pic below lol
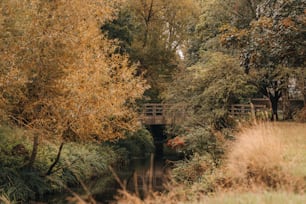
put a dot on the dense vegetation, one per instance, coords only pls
(79, 163)
(62, 84)
(265, 164)
(74, 74)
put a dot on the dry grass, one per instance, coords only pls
(266, 164)
(256, 156)
(261, 157)
(4, 200)
(255, 198)
(176, 194)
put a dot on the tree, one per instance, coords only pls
(154, 31)
(207, 89)
(207, 100)
(215, 15)
(121, 29)
(273, 48)
(75, 87)
(276, 48)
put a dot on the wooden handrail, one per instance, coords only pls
(245, 109)
(158, 113)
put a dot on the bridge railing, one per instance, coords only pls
(155, 109)
(161, 114)
(246, 109)
(155, 114)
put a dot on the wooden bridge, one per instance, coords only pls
(157, 114)
(160, 114)
(246, 109)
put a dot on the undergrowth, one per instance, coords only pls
(78, 161)
(137, 144)
(264, 164)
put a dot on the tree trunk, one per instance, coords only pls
(49, 172)
(274, 116)
(34, 151)
(147, 20)
(274, 103)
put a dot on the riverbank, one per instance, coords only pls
(264, 164)
(82, 170)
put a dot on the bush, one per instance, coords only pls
(9, 139)
(80, 161)
(77, 162)
(190, 171)
(262, 198)
(137, 144)
(22, 184)
(204, 141)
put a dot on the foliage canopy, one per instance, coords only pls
(59, 72)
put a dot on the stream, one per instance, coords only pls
(140, 176)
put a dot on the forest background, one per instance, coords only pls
(73, 75)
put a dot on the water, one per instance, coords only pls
(140, 176)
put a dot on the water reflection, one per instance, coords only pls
(141, 176)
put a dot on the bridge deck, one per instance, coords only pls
(160, 114)
(155, 114)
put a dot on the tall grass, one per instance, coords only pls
(265, 164)
(4, 199)
(259, 159)
(257, 156)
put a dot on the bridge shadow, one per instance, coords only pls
(159, 137)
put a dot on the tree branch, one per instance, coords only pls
(49, 172)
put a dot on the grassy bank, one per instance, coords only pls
(80, 164)
(264, 164)
(78, 161)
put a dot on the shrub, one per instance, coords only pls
(137, 144)
(190, 171)
(9, 140)
(204, 141)
(22, 184)
(81, 161)
(77, 161)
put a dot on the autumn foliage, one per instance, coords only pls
(59, 72)
(176, 142)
